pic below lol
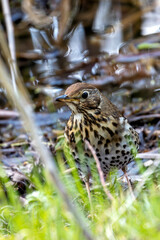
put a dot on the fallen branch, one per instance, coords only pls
(143, 117)
(8, 114)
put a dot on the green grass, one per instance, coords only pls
(45, 216)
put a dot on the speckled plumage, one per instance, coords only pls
(97, 120)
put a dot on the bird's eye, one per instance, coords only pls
(84, 95)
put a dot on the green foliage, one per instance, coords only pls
(143, 46)
(43, 214)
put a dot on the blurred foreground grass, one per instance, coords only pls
(43, 214)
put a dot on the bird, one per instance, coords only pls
(96, 119)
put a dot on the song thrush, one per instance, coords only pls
(96, 119)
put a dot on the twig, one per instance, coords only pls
(134, 119)
(109, 195)
(8, 114)
(11, 40)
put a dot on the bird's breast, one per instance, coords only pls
(113, 139)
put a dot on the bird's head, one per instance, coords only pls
(81, 96)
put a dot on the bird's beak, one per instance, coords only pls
(64, 98)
